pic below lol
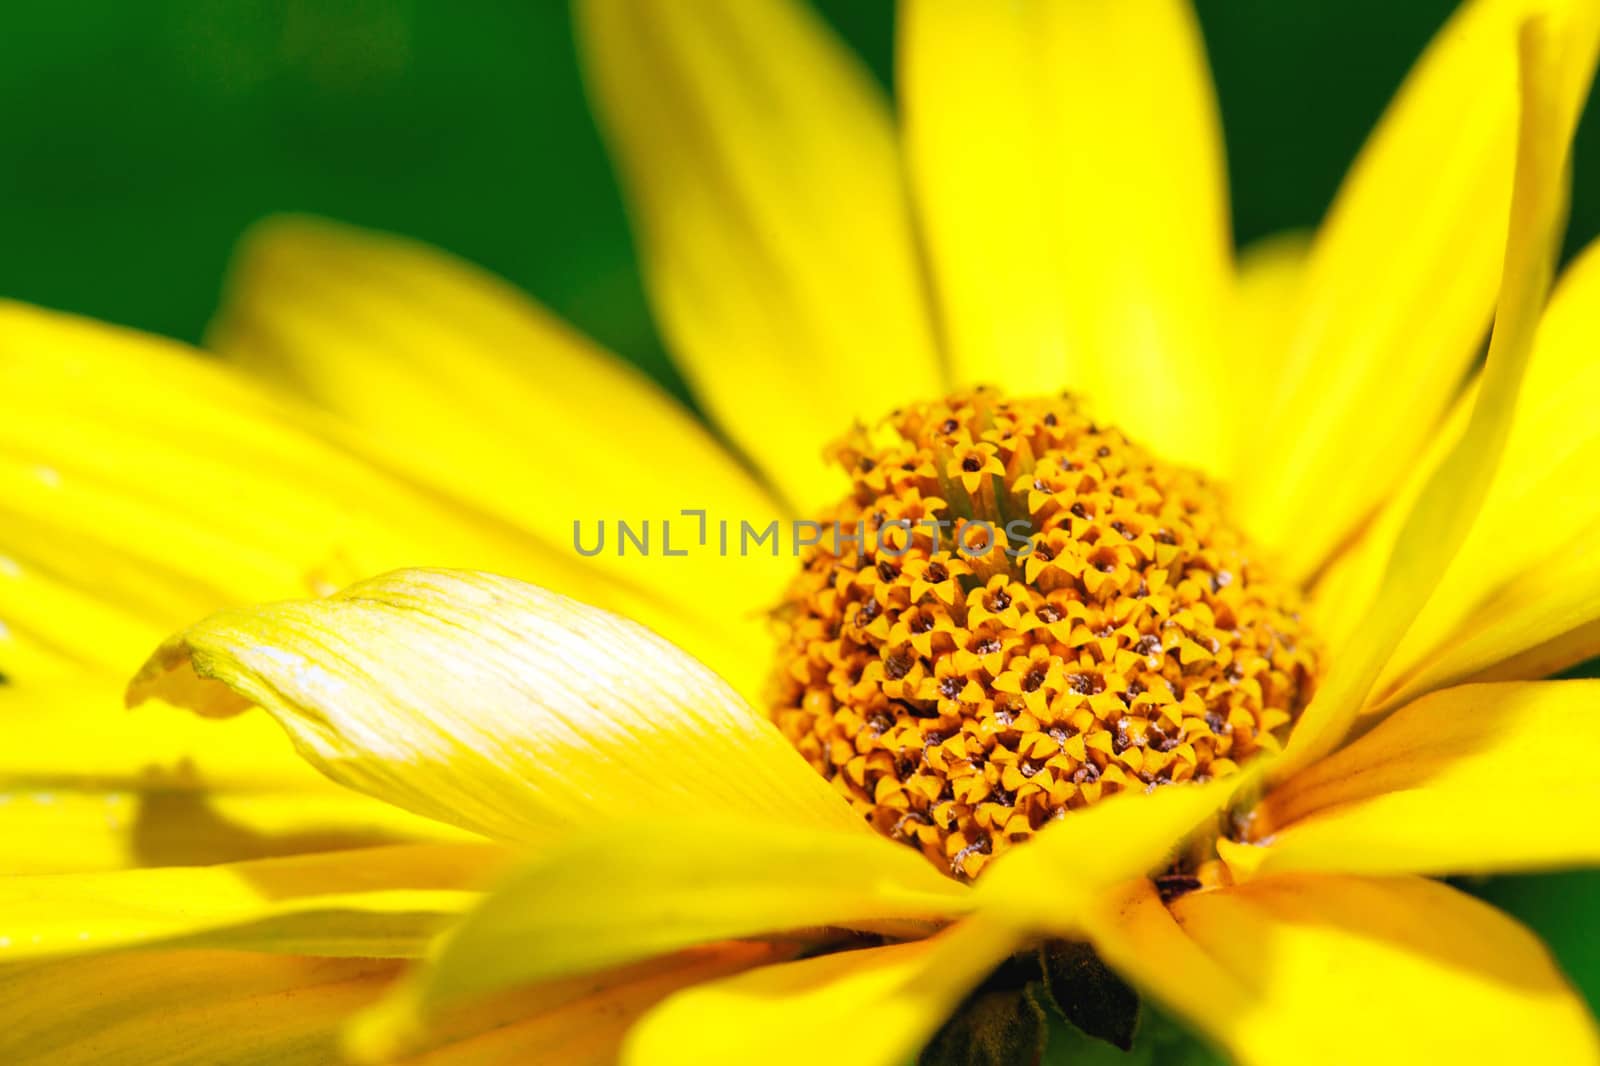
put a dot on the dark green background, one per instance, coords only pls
(139, 137)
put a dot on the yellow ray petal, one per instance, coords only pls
(1068, 168)
(52, 627)
(631, 891)
(871, 1007)
(579, 1022)
(1398, 290)
(204, 1007)
(68, 733)
(191, 1008)
(85, 785)
(381, 902)
(1459, 782)
(765, 185)
(1068, 866)
(142, 486)
(1344, 593)
(1132, 930)
(475, 390)
(494, 705)
(1526, 575)
(1313, 969)
(84, 829)
(1557, 56)
(1266, 290)
(1523, 583)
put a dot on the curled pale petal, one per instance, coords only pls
(183, 1008)
(493, 705)
(1068, 168)
(380, 902)
(869, 1007)
(1462, 781)
(764, 181)
(472, 388)
(635, 890)
(1557, 58)
(1397, 293)
(1315, 969)
(85, 786)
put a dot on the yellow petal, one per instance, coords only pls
(62, 733)
(191, 1008)
(1315, 969)
(386, 902)
(1526, 575)
(1132, 930)
(204, 1007)
(871, 1007)
(142, 486)
(85, 785)
(1398, 289)
(494, 705)
(1519, 598)
(1557, 65)
(578, 1022)
(50, 626)
(84, 829)
(1067, 867)
(1462, 781)
(762, 171)
(631, 891)
(1344, 594)
(1270, 275)
(475, 390)
(1068, 170)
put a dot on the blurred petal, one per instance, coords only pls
(204, 1007)
(577, 1022)
(1399, 288)
(1461, 781)
(686, 882)
(1132, 930)
(87, 786)
(381, 902)
(871, 1007)
(1068, 866)
(1266, 291)
(1311, 969)
(142, 486)
(84, 829)
(62, 733)
(475, 390)
(494, 705)
(1068, 167)
(190, 1008)
(1557, 66)
(762, 170)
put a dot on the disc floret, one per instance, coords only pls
(1016, 612)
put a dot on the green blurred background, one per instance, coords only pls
(139, 138)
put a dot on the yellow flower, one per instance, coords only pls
(671, 880)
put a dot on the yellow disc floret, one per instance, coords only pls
(1016, 612)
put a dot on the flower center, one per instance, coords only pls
(1016, 612)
